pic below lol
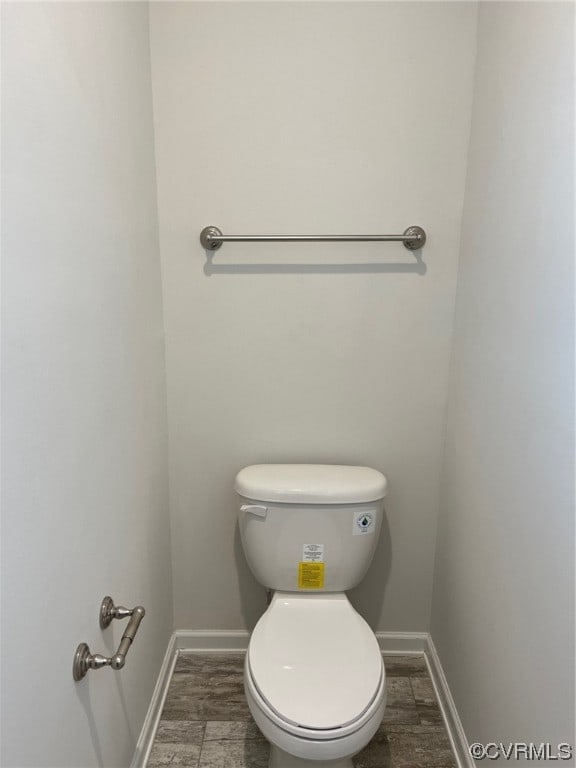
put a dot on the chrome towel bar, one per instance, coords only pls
(84, 660)
(212, 238)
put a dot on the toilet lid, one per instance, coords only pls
(315, 661)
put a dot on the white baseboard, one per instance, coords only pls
(148, 732)
(402, 643)
(449, 712)
(193, 641)
(230, 641)
(212, 641)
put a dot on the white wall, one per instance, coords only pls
(319, 118)
(503, 610)
(84, 433)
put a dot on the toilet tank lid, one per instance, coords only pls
(310, 483)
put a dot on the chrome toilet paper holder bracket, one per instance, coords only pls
(84, 660)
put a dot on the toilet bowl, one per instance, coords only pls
(314, 680)
(314, 677)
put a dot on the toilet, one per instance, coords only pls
(314, 677)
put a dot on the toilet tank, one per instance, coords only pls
(309, 527)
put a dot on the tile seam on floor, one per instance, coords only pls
(202, 743)
(414, 699)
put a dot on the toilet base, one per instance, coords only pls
(281, 759)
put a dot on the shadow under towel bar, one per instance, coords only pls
(212, 238)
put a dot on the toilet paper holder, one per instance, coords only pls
(84, 660)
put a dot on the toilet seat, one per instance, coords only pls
(314, 666)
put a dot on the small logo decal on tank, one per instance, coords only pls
(363, 523)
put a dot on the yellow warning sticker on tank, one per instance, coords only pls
(311, 575)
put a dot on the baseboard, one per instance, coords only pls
(195, 640)
(232, 641)
(449, 712)
(148, 732)
(402, 643)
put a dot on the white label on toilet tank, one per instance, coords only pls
(363, 522)
(313, 553)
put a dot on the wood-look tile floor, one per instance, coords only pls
(206, 722)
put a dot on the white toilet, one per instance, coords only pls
(314, 677)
